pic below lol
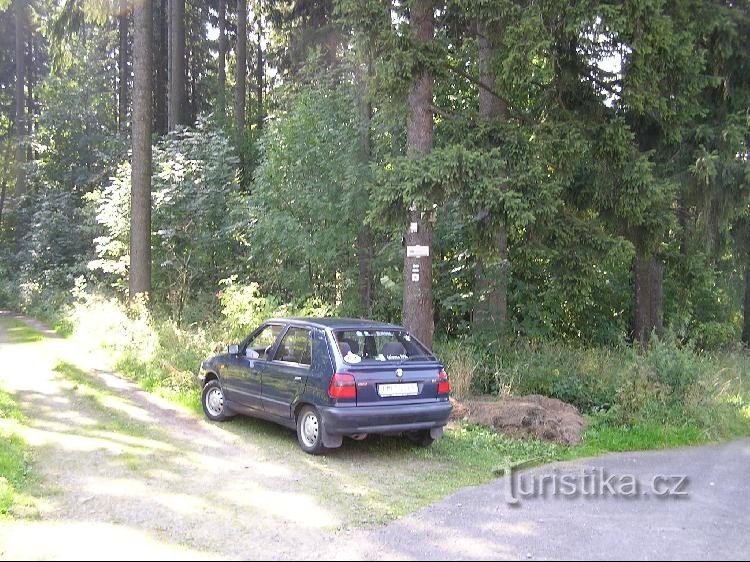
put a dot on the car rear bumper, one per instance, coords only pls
(385, 419)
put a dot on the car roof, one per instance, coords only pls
(337, 323)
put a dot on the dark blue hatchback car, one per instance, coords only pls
(328, 378)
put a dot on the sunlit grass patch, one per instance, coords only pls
(640, 437)
(9, 407)
(19, 332)
(15, 463)
(108, 407)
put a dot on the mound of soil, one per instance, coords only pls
(537, 416)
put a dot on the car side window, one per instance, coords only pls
(296, 347)
(262, 342)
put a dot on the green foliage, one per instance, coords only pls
(194, 186)
(300, 225)
(52, 249)
(75, 139)
(668, 384)
(244, 308)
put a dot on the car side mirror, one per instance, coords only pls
(233, 349)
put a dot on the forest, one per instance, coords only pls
(547, 184)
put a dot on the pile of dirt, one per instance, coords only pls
(537, 416)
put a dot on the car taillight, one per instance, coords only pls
(343, 387)
(444, 386)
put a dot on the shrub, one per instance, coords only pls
(711, 336)
(674, 367)
(461, 366)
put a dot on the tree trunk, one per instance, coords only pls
(746, 323)
(20, 56)
(364, 237)
(178, 76)
(491, 310)
(491, 287)
(161, 64)
(29, 91)
(490, 106)
(364, 262)
(418, 315)
(194, 101)
(8, 153)
(241, 69)
(259, 71)
(221, 96)
(3, 190)
(122, 66)
(140, 216)
(648, 274)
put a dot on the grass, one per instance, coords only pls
(18, 332)
(641, 437)
(16, 478)
(101, 399)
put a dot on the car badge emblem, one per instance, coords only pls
(399, 373)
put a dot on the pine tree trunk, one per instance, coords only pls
(259, 71)
(222, 62)
(29, 91)
(178, 76)
(491, 288)
(364, 263)
(491, 284)
(418, 314)
(20, 56)
(140, 218)
(3, 191)
(241, 69)
(364, 238)
(122, 66)
(648, 275)
(161, 66)
(746, 323)
(193, 58)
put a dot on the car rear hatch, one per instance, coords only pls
(395, 383)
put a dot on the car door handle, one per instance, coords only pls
(297, 379)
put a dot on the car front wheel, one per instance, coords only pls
(214, 404)
(310, 431)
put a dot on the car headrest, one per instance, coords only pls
(392, 348)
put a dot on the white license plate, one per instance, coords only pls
(401, 389)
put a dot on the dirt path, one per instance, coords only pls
(128, 476)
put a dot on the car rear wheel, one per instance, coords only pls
(310, 431)
(421, 438)
(214, 405)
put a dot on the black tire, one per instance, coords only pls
(212, 400)
(420, 438)
(310, 431)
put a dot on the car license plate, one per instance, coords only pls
(400, 389)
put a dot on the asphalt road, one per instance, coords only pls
(684, 504)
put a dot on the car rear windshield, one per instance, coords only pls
(380, 345)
